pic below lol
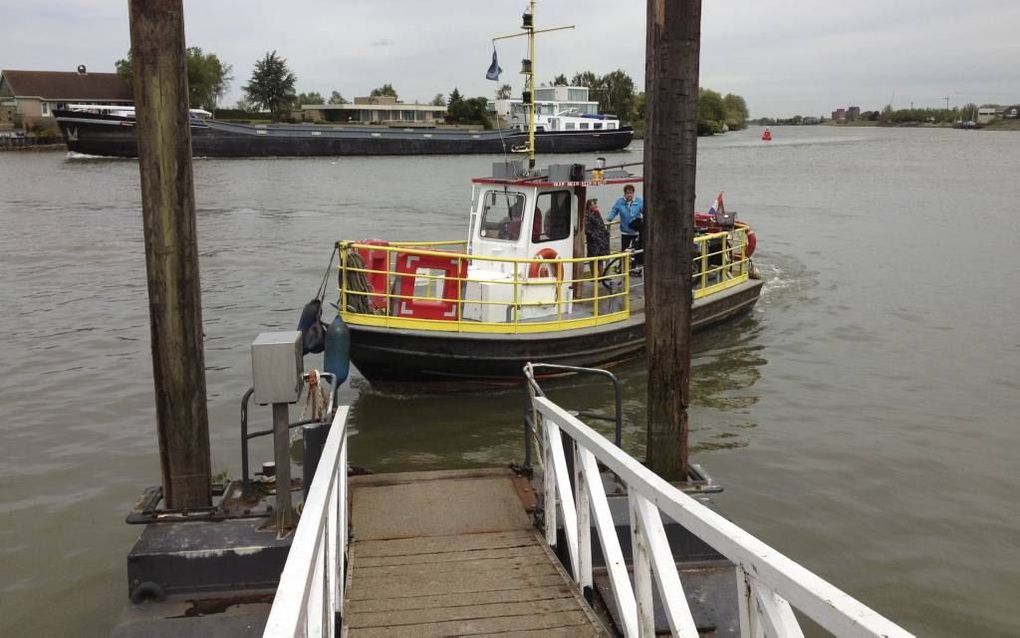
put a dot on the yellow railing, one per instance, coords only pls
(427, 286)
(720, 261)
(501, 295)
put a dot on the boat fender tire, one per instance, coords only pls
(148, 591)
(536, 269)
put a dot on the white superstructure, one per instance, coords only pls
(557, 108)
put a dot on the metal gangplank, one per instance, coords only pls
(455, 554)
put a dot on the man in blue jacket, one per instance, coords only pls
(631, 211)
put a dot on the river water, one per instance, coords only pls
(864, 419)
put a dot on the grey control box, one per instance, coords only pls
(277, 365)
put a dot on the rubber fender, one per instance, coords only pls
(148, 591)
(337, 357)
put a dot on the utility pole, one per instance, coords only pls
(171, 250)
(673, 49)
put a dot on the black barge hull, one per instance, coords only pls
(386, 355)
(113, 136)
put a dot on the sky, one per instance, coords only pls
(784, 57)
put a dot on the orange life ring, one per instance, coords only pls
(539, 269)
(752, 243)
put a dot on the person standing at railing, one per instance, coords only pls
(596, 234)
(631, 211)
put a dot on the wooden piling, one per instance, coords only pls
(671, 84)
(171, 249)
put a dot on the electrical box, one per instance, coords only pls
(566, 173)
(277, 365)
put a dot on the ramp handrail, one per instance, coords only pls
(310, 596)
(768, 582)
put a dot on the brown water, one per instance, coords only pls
(864, 419)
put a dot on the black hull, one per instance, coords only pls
(113, 136)
(385, 355)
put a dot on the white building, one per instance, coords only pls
(557, 108)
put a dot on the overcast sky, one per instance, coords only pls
(784, 57)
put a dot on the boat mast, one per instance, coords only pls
(529, 68)
(528, 71)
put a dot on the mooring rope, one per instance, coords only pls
(315, 399)
(356, 283)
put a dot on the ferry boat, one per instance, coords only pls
(521, 287)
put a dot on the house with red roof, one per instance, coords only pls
(28, 98)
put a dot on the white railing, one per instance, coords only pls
(311, 590)
(768, 582)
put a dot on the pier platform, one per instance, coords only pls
(455, 553)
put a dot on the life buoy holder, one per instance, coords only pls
(751, 242)
(545, 268)
(407, 304)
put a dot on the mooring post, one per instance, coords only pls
(671, 147)
(171, 249)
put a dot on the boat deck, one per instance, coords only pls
(455, 553)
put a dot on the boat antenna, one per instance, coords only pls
(528, 71)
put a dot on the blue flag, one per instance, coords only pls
(494, 68)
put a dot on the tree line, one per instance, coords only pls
(272, 88)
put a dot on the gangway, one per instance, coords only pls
(454, 553)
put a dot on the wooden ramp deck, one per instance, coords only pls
(455, 554)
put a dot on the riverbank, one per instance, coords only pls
(18, 144)
(997, 125)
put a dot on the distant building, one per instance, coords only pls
(382, 110)
(28, 98)
(839, 115)
(1011, 112)
(986, 114)
(853, 113)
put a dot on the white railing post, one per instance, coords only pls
(549, 503)
(613, 555)
(583, 507)
(341, 557)
(744, 605)
(671, 591)
(642, 571)
(775, 616)
(562, 485)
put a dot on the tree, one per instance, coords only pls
(386, 90)
(736, 112)
(711, 112)
(309, 98)
(585, 78)
(438, 100)
(468, 111)
(272, 84)
(560, 80)
(504, 92)
(617, 95)
(336, 98)
(208, 78)
(455, 99)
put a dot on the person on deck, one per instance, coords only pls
(596, 235)
(631, 211)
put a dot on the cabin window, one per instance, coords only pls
(584, 126)
(569, 126)
(502, 215)
(597, 125)
(555, 210)
(610, 125)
